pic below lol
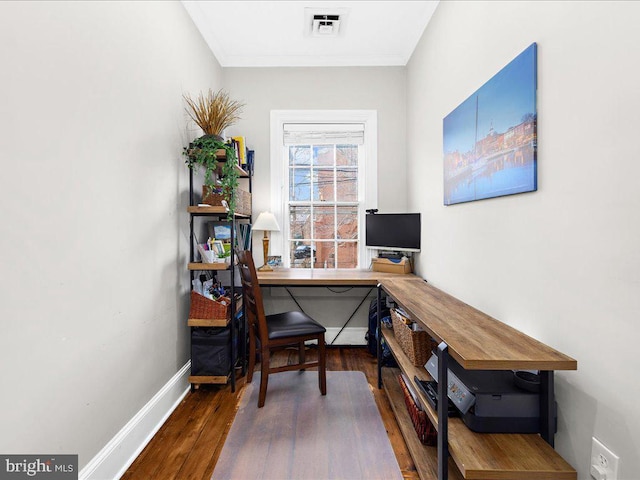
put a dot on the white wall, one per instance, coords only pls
(93, 241)
(562, 264)
(365, 88)
(339, 88)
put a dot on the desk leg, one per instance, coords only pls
(547, 407)
(294, 299)
(443, 414)
(379, 335)
(348, 319)
(351, 316)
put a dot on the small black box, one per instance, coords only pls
(210, 351)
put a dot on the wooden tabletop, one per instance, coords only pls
(328, 277)
(475, 340)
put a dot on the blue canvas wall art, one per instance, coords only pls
(490, 140)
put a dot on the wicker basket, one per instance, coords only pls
(416, 344)
(243, 200)
(203, 308)
(425, 430)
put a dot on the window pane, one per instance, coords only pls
(347, 255)
(347, 155)
(301, 254)
(326, 255)
(300, 155)
(299, 218)
(324, 191)
(324, 222)
(323, 155)
(347, 185)
(300, 184)
(347, 222)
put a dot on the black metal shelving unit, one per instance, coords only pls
(237, 328)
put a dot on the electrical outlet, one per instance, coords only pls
(604, 463)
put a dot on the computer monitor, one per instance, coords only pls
(393, 231)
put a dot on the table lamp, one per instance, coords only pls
(266, 222)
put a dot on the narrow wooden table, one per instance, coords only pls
(478, 341)
(327, 277)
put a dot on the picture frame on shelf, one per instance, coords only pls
(220, 231)
(218, 248)
(274, 261)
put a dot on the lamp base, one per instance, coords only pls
(265, 248)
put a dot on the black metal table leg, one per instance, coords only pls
(379, 335)
(443, 412)
(547, 407)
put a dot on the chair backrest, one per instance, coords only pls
(252, 295)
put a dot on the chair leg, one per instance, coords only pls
(252, 354)
(264, 375)
(301, 355)
(322, 365)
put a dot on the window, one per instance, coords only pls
(323, 187)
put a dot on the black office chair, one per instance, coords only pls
(276, 331)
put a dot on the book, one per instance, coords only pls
(250, 155)
(242, 150)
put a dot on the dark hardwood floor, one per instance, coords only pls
(188, 445)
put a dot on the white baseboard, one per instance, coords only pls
(117, 455)
(349, 336)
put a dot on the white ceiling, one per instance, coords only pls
(276, 33)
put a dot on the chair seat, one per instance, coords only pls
(292, 324)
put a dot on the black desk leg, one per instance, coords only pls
(233, 336)
(547, 407)
(379, 335)
(351, 316)
(443, 414)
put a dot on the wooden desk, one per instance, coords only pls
(326, 277)
(476, 341)
(321, 277)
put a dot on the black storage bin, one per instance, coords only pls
(210, 351)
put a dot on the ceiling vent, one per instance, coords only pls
(325, 22)
(326, 25)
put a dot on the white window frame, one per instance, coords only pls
(367, 172)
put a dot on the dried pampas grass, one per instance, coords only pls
(213, 111)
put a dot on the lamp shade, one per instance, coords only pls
(266, 221)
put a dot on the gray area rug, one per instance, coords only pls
(300, 434)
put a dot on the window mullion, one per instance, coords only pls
(335, 206)
(312, 210)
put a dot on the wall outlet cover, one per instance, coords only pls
(603, 461)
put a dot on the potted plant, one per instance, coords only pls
(213, 112)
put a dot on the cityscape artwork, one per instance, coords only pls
(490, 140)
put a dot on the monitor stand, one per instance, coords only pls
(391, 255)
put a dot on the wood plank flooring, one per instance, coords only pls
(188, 445)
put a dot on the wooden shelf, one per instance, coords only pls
(209, 210)
(243, 173)
(409, 369)
(212, 210)
(196, 379)
(424, 457)
(468, 331)
(221, 156)
(510, 456)
(207, 322)
(208, 266)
